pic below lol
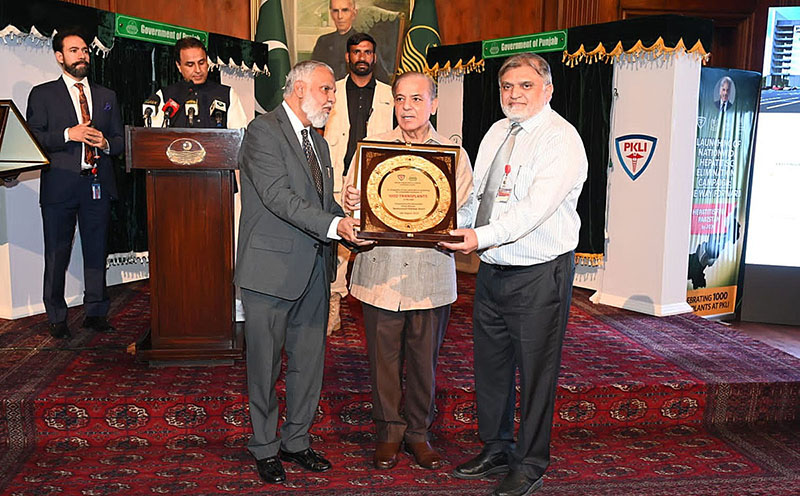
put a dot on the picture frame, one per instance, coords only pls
(384, 20)
(408, 192)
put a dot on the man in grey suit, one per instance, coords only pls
(284, 266)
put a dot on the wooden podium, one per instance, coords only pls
(190, 186)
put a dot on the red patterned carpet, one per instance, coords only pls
(645, 406)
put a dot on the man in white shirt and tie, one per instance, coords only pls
(523, 222)
(78, 123)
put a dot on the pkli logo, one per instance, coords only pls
(635, 151)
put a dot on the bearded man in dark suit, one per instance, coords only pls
(78, 123)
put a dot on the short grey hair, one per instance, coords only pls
(352, 4)
(302, 72)
(536, 62)
(431, 83)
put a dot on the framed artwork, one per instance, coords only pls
(321, 28)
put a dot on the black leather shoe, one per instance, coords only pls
(482, 465)
(308, 459)
(270, 470)
(518, 484)
(60, 330)
(97, 324)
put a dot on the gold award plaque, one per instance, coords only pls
(408, 193)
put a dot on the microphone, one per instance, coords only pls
(191, 110)
(218, 111)
(190, 104)
(149, 109)
(170, 109)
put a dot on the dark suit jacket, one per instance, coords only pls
(49, 112)
(283, 224)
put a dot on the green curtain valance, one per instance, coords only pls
(36, 20)
(662, 35)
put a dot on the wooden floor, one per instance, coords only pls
(783, 337)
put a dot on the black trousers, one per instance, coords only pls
(519, 317)
(58, 222)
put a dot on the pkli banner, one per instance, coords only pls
(725, 127)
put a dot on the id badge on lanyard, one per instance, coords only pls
(504, 192)
(95, 188)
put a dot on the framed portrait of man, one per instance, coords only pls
(322, 27)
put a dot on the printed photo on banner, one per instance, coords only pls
(322, 28)
(725, 126)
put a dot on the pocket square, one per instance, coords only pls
(107, 106)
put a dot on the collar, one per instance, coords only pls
(197, 87)
(70, 81)
(350, 32)
(533, 122)
(431, 137)
(297, 125)
(350, 85)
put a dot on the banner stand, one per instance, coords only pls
(652, 152)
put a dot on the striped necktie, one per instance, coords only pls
(313, 164)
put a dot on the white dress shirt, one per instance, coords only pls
(539, 221)
(74, 93)
(298, 129)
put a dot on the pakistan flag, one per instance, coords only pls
(423, 33)
(270, 31)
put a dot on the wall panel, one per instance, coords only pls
(581, 12)
(230, 17)
(459, 20)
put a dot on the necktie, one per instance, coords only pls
(495, 176)
(87, 150)
(313, 165)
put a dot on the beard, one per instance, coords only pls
(78, 70)
(314, 112)
(515, 114)
(362, 68)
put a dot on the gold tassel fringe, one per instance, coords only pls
(589, 259)
(659, 48)
(459, 68)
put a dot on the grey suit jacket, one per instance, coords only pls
(282, 224)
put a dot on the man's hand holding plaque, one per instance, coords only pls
(347, 228)
(352, 199)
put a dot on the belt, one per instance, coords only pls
(507, 268)
(86, 172)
